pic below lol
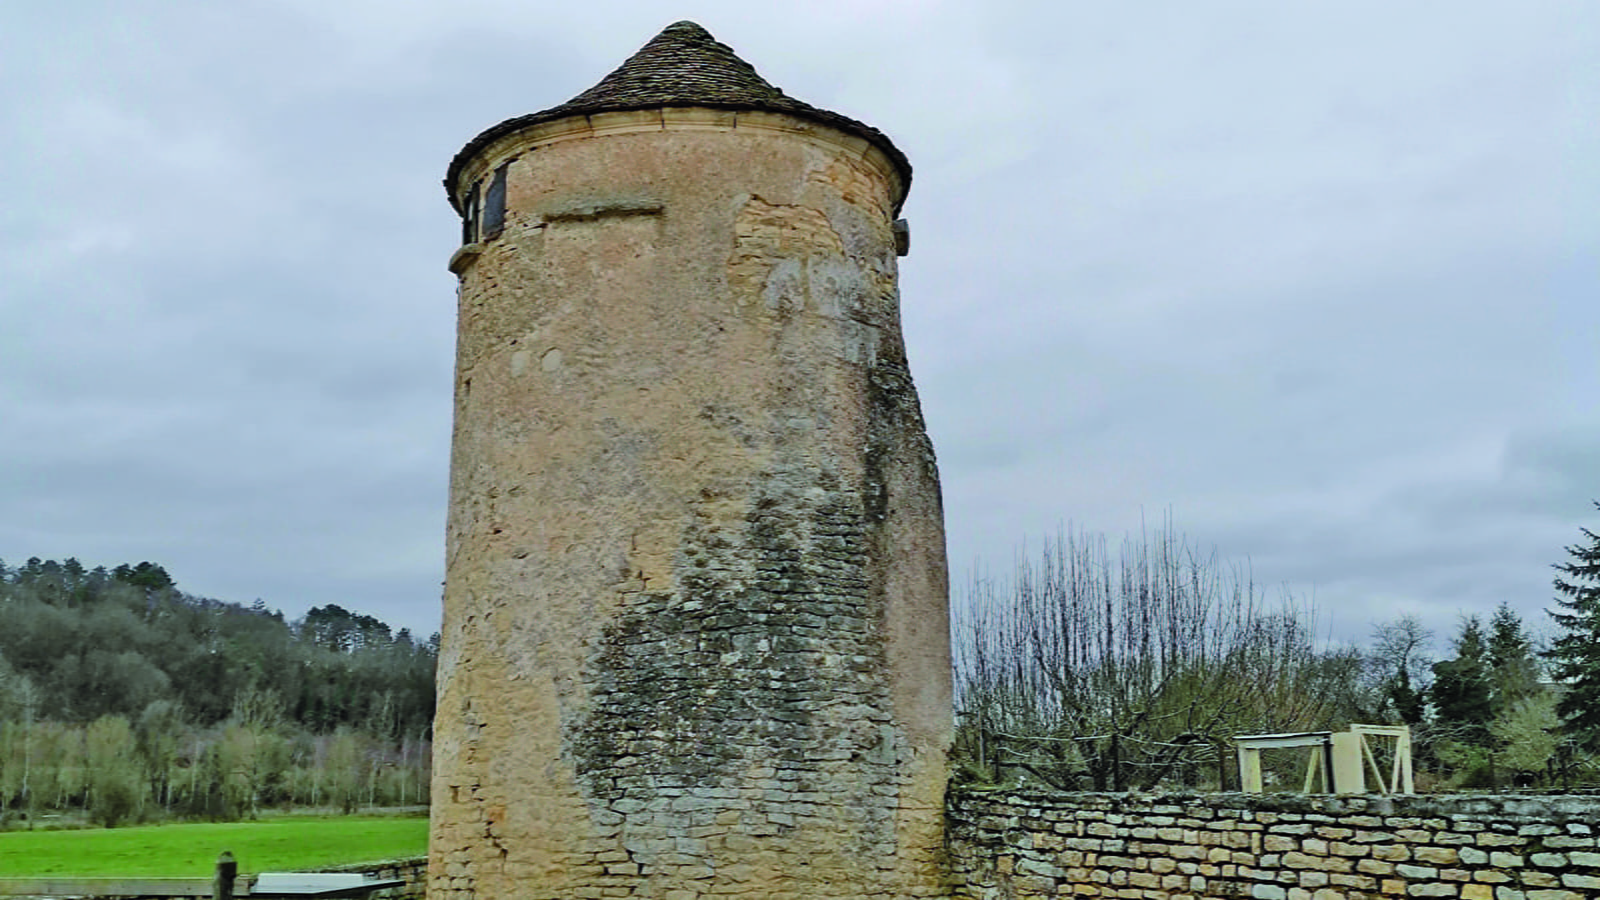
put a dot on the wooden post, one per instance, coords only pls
(227, 871)
(1313, 762)
(1402, 761)
(1349, 763)
(1250, 770)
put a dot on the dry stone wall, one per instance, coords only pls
(412, 870)
(1018, 845)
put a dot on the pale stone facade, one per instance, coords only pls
(695, 638)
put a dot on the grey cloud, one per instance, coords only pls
(1317, 280)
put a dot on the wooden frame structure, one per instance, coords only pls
(1341, 759)
(1400, 776)
(1321, 762)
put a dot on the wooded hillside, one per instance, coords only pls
(125, 696)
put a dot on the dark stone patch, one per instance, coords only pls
(768, 657)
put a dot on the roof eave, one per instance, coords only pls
(832, 120)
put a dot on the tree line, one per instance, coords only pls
(125, 698)
(1093, 669)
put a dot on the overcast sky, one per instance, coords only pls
(1319, 280)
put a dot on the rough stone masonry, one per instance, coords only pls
(1031, 845)
(695, 636)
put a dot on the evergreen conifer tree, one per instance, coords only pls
(1575, 654)
(1409, 703)
(1513, 671)
(1461, 686)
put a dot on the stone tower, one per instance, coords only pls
(695, 624)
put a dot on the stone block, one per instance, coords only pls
(1437, 855)
(1353, 882)
(1036, 867)
(1375, 867)
(1391, 852)
(1313, 879)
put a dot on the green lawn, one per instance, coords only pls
(288, 844)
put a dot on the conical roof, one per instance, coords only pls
(682, 66)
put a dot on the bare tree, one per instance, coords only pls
(1401, 665)
(1089, 671)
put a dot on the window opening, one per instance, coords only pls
(494, 204)
(469, 216)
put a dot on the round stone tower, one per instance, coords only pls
(695, 633)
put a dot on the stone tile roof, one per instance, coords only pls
(682, 66)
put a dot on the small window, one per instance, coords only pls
(494, 204)
(469, 216)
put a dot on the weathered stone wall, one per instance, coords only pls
(695, 636)
(413, 870)
(1275, 847)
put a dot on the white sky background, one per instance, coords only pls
(1318, 279)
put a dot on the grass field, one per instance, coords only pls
(293, 843)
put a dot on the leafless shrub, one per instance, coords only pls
(1086, 670)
